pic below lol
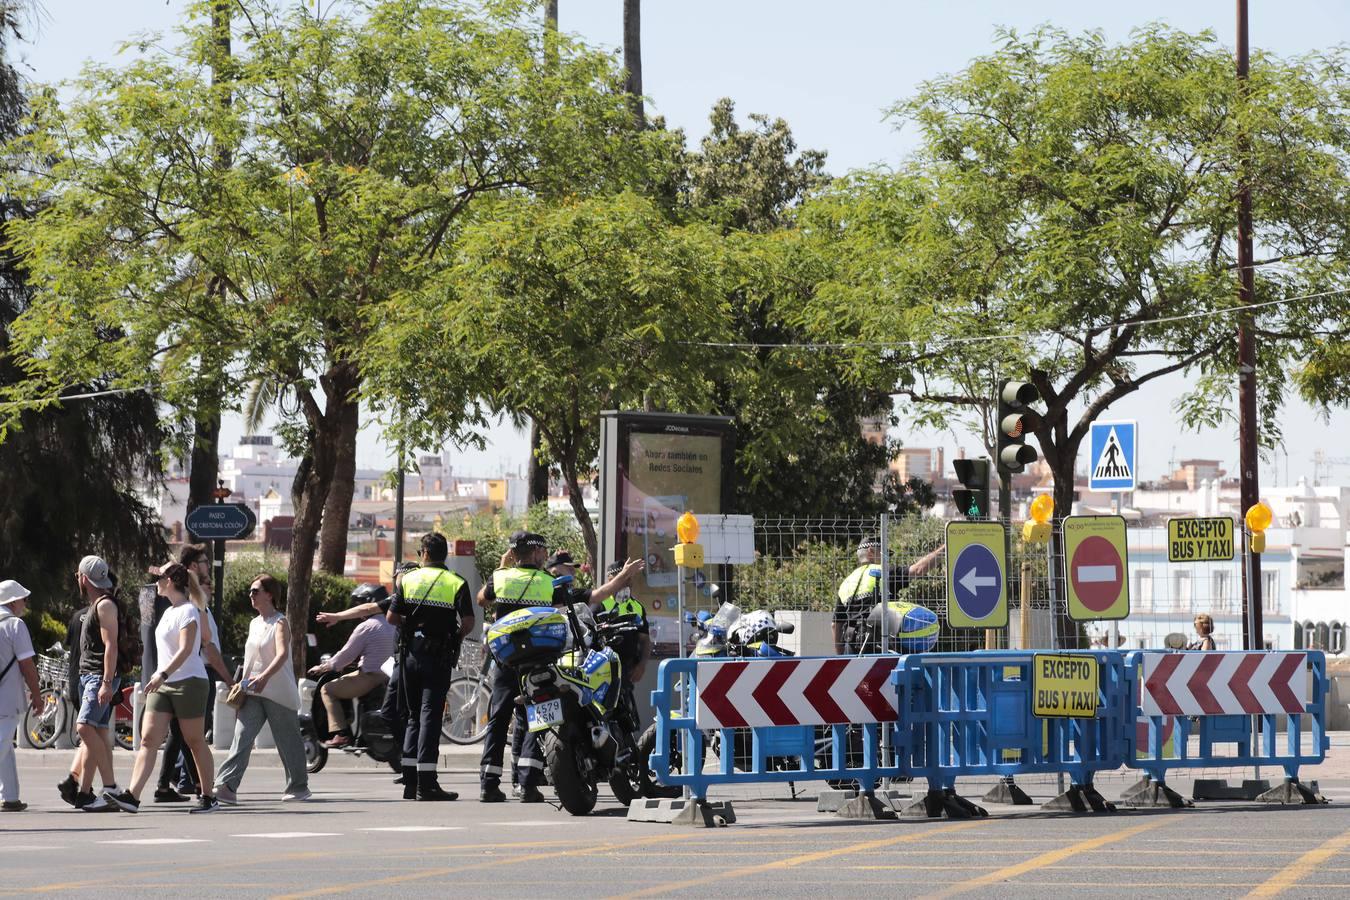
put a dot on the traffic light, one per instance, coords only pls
(972, 498)
(1016, 419)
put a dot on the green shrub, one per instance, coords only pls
(327, 593)
(490, 533)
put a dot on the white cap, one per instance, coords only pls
(11, 591)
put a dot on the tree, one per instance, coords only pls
(1067, 219)
(632, 58)
(69, 473)
(568, 307)
(359, 146)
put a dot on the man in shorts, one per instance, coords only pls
(99, 683)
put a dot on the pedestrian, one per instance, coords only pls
(1204, 630)
(178, 766)
(372, 643)
(271, 696)
(177, 689)
(99, 683)
(860, 593)
(519, 583)
(16, 669)
(433, 611)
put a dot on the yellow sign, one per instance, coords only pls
(1199, 540)
(1095, 562)
(977, 594)
(1064, 686)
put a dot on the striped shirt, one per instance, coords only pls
(373, 641)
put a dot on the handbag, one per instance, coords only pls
(235, 698)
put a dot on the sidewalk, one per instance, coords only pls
(454, 758)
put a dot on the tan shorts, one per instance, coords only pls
(185, 699)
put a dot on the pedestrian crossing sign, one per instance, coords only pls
(1112, 456)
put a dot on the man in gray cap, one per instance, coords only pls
(16, 669)
(99, 683)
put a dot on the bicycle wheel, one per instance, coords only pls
(42, 730)
(466, 710)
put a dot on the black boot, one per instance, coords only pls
(429, 789)
(409, 783)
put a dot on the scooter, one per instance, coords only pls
(370, 732)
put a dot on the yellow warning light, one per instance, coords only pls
(1259, 517)
(687, 528)
(1042, 508)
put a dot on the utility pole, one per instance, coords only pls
(1253, 629)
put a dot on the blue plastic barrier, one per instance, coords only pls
(1266, 749)
(974, 714)
(777, 754)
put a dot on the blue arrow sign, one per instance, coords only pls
(978, 580)
(221, 522)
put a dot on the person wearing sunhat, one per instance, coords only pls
(520, 583)
(16, 669)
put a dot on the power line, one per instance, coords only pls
(1006, 336)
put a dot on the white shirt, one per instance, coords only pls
(169, 638)
(259, 651)
(16, 644)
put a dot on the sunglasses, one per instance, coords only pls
(253, 591)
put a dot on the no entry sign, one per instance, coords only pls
(1095, 555)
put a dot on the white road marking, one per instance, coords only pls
(16, 848)
(1096, 574)
(416, 828)
(530, 822)
(157, 841)
(289, 834)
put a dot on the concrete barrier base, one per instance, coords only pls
(830, 799)
(1149, 794)
(694, 813)
(1292, 791)
(866, 806)
(1222, 789)
(1080, 798)
(938, 803)
(1007, 791)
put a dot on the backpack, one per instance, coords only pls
(128, 638)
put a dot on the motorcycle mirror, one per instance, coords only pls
(786, 627)
(704, 615)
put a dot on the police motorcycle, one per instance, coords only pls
(370, 732)
(572, 687)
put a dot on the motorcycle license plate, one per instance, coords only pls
(541, 715)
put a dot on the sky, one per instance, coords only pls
(830, 70)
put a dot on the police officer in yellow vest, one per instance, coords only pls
(520, 583)
(433, 612)
(861, 591)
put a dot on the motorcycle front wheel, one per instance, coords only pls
(316, 754)
(563, 761)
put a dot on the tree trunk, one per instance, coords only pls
(309, 493)
(583, 517)
(536, 473)
(204, 467)
(632, 58)
(551, 35)
(337, 508)
(1060, 449)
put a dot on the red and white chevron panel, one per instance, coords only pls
(762, 692)
(1216, 684)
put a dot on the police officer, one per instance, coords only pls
(861, 591)
(433, 612)
(520, 582)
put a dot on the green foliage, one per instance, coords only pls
(330, 593)
(490, 534)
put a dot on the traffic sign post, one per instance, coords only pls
(1096, 568)
(977, 594)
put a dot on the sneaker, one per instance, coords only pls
(297, 796)
(226, 796)
(69, 788)
(492, 794)
(169, 795)
(205, 805)
(97, 805)
(13, 806)
(124, 801)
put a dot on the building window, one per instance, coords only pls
(1181, 591)
(1143, 589)
(1222, 589)
(1270, 586)
(1336, 644)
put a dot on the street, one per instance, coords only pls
(356, 838)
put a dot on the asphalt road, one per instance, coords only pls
(356, 838)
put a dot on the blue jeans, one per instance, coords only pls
(91, 711)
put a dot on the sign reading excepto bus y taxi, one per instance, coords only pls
(1200, 540)
(1064, 686)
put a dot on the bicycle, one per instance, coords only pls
(42, 729)
(466, 702)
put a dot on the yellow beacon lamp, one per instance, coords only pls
(1258, 518)
(1037, 531)
(688, 552)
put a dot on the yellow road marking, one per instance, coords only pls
(1050, 858)
(348, 887)
(1286, 878)
(791, 861)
